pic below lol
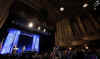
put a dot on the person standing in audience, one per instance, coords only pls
(53, 53)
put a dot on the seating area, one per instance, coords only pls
(56, 53)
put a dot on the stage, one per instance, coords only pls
(20, 41)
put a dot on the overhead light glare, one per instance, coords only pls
(44, 30)
(85, 5)
(39, 28)
(86, 47)
(30, 25)
(70, 48)
(62, 9)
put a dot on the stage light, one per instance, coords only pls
(85, 5)
(44, 30)
(62, 9)
(70, 48)
(97, 3)
(30, 25)
(86, 47)
(39, 28)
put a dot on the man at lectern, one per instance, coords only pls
(14, 50)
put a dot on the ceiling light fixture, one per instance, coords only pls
(44, 30)
(62, 9)
(70, 48)
(85, 5)
(86, 47)
(30, 25)
(39, 28)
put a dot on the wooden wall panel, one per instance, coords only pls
(81, 29)
(64, 33)
(4, 9)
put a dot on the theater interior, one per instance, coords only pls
(50, 29)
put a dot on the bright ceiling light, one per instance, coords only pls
(62, 9)
(30, 25)
(86, 47)
(85, 5)
(39, 28)
(70, 48)
(44, 30)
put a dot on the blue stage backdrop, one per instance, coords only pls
(13, 39)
